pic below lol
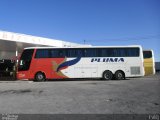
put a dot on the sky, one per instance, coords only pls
(95, 22)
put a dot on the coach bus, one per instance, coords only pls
(118, 62)
(149, 63)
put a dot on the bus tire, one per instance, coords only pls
(40, 76)
(107, 75)
(119, 75)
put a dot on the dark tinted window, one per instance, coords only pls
(90, 52)
(25, 60)
(87, 52)
(42, 53)
(27, 54)
(57, 53)
(71, 53)
(74, 52)
(50, 53)
(119, 52)
(106, 52)
(147, 54)
(132, 52)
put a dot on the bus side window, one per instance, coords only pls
(102, 52)
(54, 53)
(110, 52)
(80, 52)
(71, 53)
(121, 52)
(61, 53)
(132, 52)
(42, 53)
(147, 54)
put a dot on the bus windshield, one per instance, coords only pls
(25, 60)
(147, 54)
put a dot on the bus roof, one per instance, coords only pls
(86, 47)
(148, 50)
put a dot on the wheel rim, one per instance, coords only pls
(120, 75)
(107, 76)
(40, 77)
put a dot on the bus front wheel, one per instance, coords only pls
(107, 75)
(119, 75)
(40, 77)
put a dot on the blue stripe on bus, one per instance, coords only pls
(69, 63)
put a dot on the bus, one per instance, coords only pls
(107, 62)
(149, 63)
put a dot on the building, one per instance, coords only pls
(12, 44)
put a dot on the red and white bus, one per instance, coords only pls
(107, 62)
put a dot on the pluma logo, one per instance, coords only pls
(107, 60)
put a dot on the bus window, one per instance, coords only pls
(57, 53)
(41, 53)
(25, 60)
(91, 52)
(147, 54)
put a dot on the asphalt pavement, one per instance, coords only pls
(82, 96)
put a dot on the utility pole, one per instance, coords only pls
(84, 42)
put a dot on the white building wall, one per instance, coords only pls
(35, 40)
(10, 42)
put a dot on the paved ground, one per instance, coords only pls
(135, 95)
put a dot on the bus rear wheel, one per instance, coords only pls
(39, 77)
(119, 75)
(107, 75)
